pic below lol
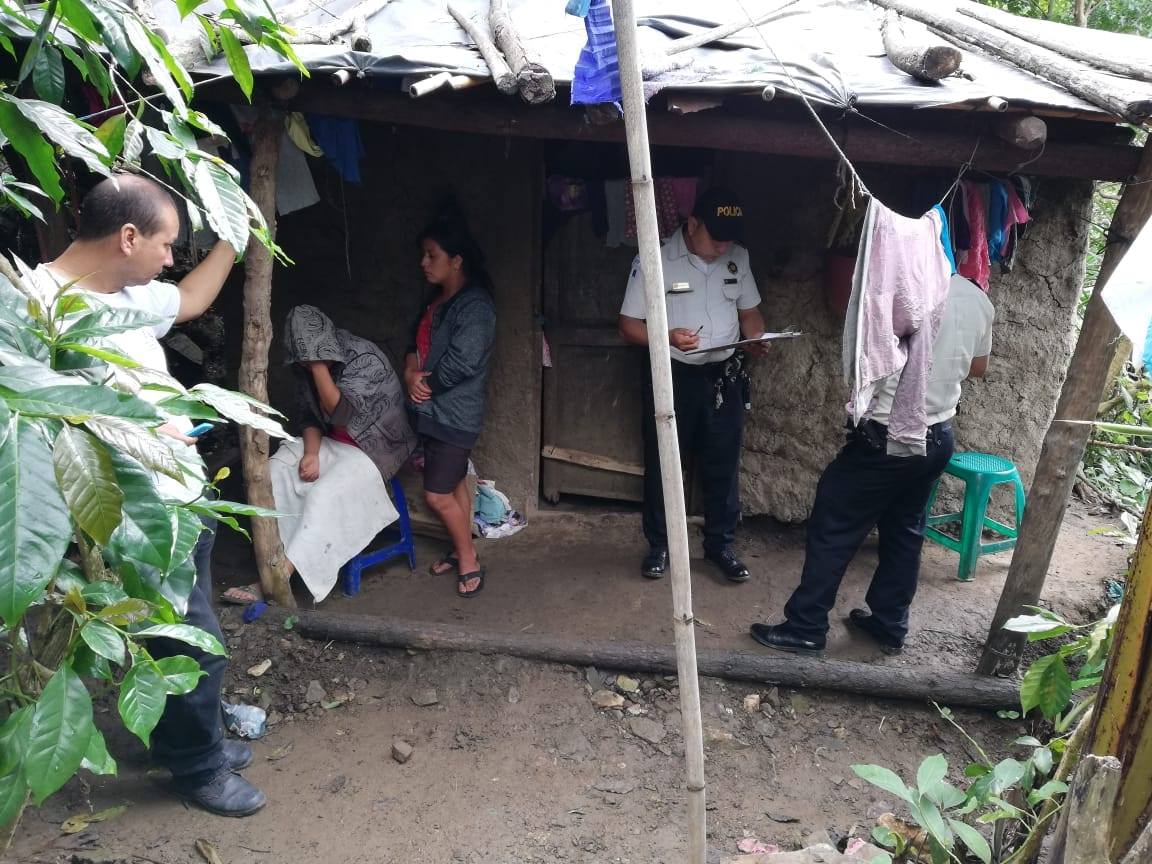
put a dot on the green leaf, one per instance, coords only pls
(1028, 741)
(186, 528)
(1042, 759)
(106, 321)
(142, 444)
(98, 760)
(1052, 787)
(186, 7)
(35, 527)
(48, 75)
(13, 794)
(976, 769)
(235, 508)
(142, 695)
(85, 476)
(145, 534)
(14, 739)
(64, 130)
(973, 839)
(27, 140)
(98, 75)
(88, 665)
(931, 771)
(1005, 775)
(111, 133)
(241, 408)
(1046, 686)
(186, 633)
(223, 202)
(104, 640)
(102, 593)
(76, 16)
(183, 406)
(47, 14)
(927, 814)
(77, 403)
(885, 779)
(138, 38)
(125, 612)
(237, 61)
(181, 674)
(1035, 624)
(115, 39)
(133, 142)
(61, 729)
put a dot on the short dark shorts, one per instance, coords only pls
(445, 465)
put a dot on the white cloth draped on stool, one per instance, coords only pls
(329, 521)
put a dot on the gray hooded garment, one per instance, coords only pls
(372, 404)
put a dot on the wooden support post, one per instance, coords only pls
(1088, 820)
(659, 352)
(502, 76)
(533, 80)
(1064, 443)
(269, 551)
(922, 58)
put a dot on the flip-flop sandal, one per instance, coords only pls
(463, 578)
(447, 564)
(242, 595)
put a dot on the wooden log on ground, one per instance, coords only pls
(1130, 100)
(1023, 131)
(502, 76)
(868, 679)
(916, 54)
(1064, 443)
(1091, 799)
(863, 144)
(532, 80)
(257, 337)
(1065, 40)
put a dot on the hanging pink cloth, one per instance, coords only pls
(899, 291)
(976, 264)
(1017, 214)
(667, 208)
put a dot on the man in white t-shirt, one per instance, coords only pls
(867, 487)
(125, 231)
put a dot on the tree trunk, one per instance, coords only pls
(1129, 100)
(533, 80)
(924, 60)
(868, 679)
(1091, 798)
(1064, 443)
(270, 560)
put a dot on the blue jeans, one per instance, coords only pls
(865, 488)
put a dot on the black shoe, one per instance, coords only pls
(655, 563)
(237, 755)
(223, 793)
(863, 621)
(780, 637)
(731, 566)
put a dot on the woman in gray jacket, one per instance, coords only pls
(446, 372)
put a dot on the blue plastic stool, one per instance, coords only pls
(981, 472)
(405, 546)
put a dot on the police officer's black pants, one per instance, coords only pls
(190, 735)
(865, 488)
(709, 436)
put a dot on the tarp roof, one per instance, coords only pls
(831, 50)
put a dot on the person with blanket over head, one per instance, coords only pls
(332, 482)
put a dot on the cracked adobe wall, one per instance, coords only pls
(794, 429)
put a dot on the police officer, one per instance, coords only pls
(712, 300)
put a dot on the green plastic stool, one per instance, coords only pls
(980, 473)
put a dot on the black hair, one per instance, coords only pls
(119, 200)
(450, 232)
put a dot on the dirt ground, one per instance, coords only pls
(512, 763)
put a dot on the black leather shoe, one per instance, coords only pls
(223, 793)
(780, 637)
(863, 621)
(731, 566)
(655, 563)
(237, 755)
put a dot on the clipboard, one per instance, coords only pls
(767, 337)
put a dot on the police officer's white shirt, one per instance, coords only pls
(965, 334)
(717, 293)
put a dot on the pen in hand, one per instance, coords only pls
(698, 330)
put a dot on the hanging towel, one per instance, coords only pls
(945, 238)
(296, 125)
(997, 212)
(976, 265)
(597, 76)
(295, 189)
(899, 290)
(339, 138)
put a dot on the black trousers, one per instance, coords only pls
(190, 735)
(712, 437)
(865, 488)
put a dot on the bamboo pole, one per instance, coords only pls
(643, 190)
(266, 544)
(1064, 443)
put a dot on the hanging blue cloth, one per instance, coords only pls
(339, 138)
(597, 75)
(997, 210)
(946, 238)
